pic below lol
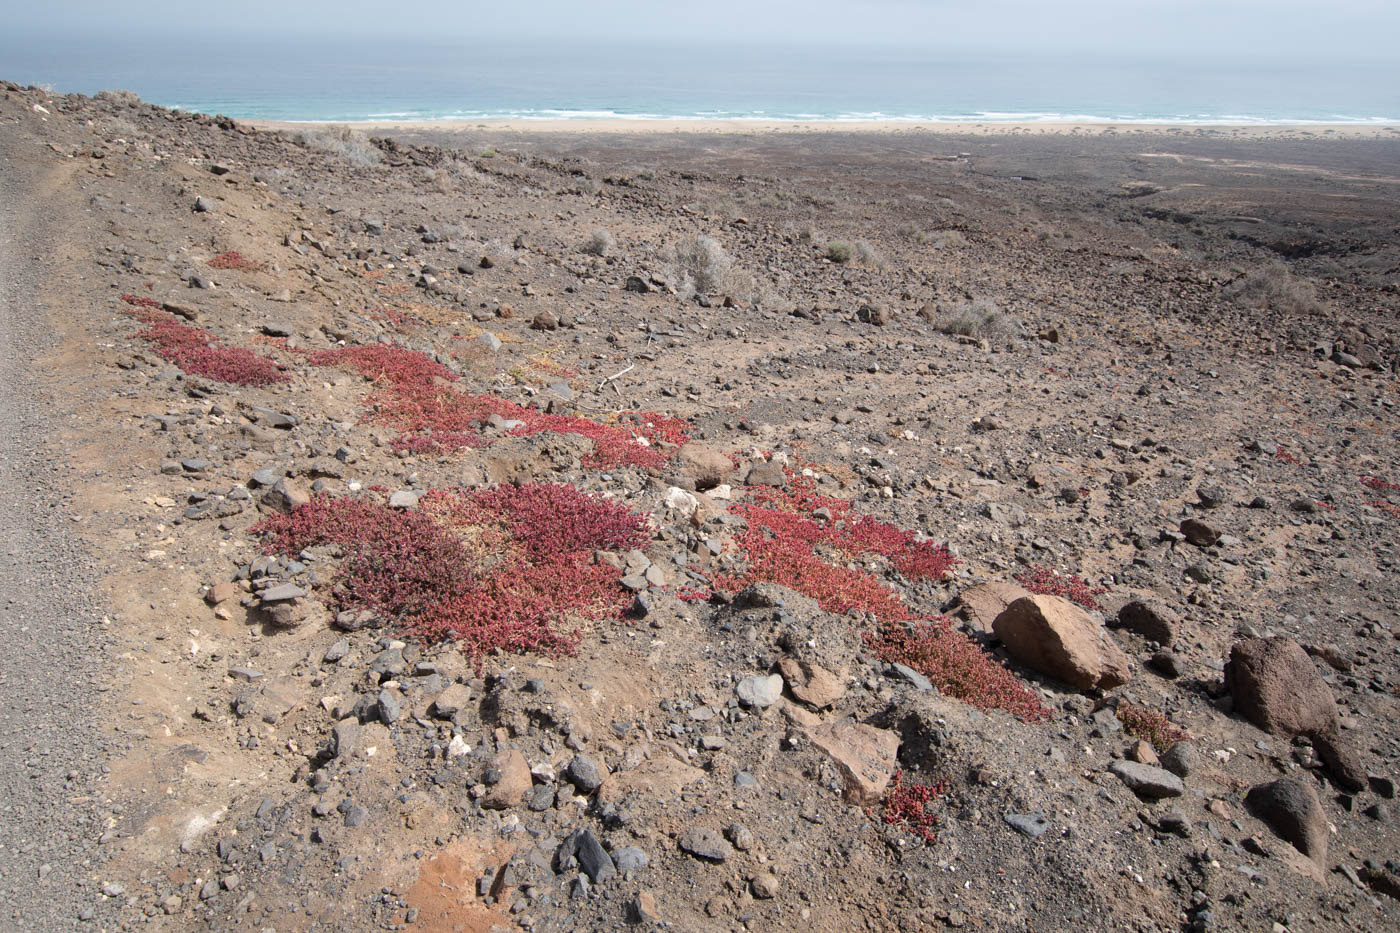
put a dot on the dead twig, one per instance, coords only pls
(620, 372)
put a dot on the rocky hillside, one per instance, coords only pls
(939, 534)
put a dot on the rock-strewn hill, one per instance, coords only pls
(831, 533)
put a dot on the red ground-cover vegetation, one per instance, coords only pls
(1049, 581)
(415, 394)
(956, 666)
(1378, 484)
(1149, 725)
(1388, 508)
(509, 568)
(784, 543)
(199, 353)
(400, 321)
(911, 804)
(233, 259)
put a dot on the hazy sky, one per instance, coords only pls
(1308, 28)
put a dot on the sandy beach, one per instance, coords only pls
(752, 127)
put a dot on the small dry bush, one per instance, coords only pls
(977, 318)
(341, 141)
(599, 243)
(1274, 288)
(700, 265)
(859, 252)
(119, 97)
(839, 251)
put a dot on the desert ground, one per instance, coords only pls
(492, 527)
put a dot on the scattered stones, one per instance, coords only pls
(705, 844)
(765, 473)
(630, 859)
(1147, 780)
(404, 499)
(1199, 533)
(1030, 825)
(765, 886)
(1183, 759)
(1056, 637)
(642, 908)
(451, 701)
(286, 495)
(281, 593)
(221, 593)
(919, 681)
(760, 691)
(706, 466)
(741, 836)
(582, 847)
(585, 774)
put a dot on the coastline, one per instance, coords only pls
(1254, 131)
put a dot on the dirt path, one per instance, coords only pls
(52, 645)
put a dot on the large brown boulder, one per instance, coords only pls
(1276, 687)
(706, 465)
(1056, 637)
(981, 604)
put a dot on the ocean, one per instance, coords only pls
(353, 81)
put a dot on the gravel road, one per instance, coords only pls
(53, 653)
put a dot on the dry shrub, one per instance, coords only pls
(599, 243)
(1274, 288)
(341, 141)
(977, 318)
(859, 252)
(121, 98)
(839, 251)
(700, 265)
